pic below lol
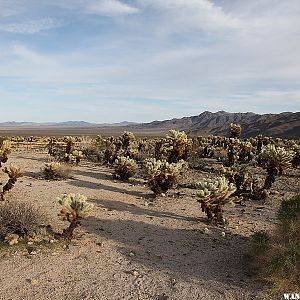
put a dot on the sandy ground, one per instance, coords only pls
(131, 248)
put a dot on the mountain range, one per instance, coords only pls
(284, 125)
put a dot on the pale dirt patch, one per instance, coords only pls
(131, 248)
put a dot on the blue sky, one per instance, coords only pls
(142, 60)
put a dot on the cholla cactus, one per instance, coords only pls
(125, 167)
(246, 153)
(162, 175)
(75, 208)
(55, 171)
(235, 130)
(296, 158)
(274, 160)
(213, 195)
(233, 151)
(70, 140)
(74, 157)
(179, 145)
(127, 138)
(13, 173)
(4, 151)
(247, 185)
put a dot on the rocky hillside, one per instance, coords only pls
(285, 124)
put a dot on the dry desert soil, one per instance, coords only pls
(132, 247)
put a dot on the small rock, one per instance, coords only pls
(205, 230)
(71, 247)
(135, 273)
(163, 296)
(223, 234)
(35, 282)
(131, 254)
(12, 239)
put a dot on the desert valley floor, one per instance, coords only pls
(132, 246)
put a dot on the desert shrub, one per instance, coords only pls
(274, 160)
(125, 167)
(278, 255)
(213, 196)
(260, 242)
(19, 218)
(161, 175)
(75, 208)
(56, 171)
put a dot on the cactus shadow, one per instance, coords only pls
(100, 186)
(185, 253)
(136, 210)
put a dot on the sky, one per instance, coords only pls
(143, 60)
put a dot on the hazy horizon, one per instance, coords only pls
(126, 121)
(106, 61)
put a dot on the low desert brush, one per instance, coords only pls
(277, 256)
(19, 218)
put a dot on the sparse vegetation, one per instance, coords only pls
(278, 255)
(19, 220)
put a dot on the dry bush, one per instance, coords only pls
(19, 218)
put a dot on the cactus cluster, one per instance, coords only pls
(213, 195)
(125, 167)
(161, 175)
(247, 185)
(274, 160)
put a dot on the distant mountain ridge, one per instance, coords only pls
(285, 125)
(63, 124)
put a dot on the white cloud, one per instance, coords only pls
(181, 15)
(110, 8)
(32, 26)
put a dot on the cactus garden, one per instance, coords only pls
(169, 217)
